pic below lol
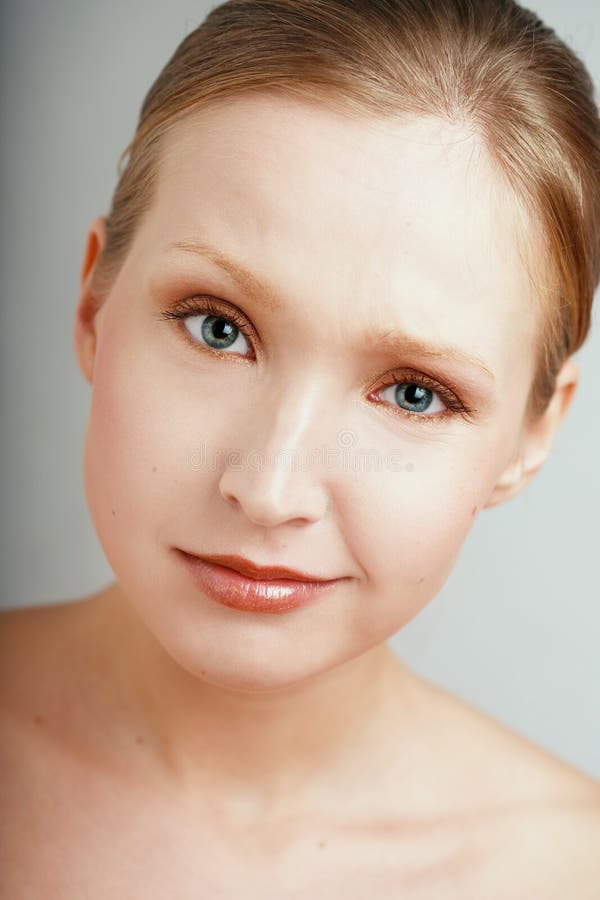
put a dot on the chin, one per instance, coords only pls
(254, 657)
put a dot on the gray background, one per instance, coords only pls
(515, 630)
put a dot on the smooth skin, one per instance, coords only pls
(162, 745)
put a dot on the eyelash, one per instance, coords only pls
(202, 305)
(454, 405)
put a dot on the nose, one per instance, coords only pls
(276, 477)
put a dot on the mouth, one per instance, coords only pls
(261, 573)
(241, 584)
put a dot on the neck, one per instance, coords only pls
(257, 754)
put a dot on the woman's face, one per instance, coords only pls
(385, 343)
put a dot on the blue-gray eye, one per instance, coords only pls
(217, 331)
(414, 398)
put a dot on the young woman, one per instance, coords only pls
(329, 318)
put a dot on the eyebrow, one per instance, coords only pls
(396, 342)
(244, 278)
(390, 341)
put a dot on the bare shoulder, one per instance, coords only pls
(45, 657)
(535, 817)
(29, 626)
(32, 640)
(548, 846)
(48, 748)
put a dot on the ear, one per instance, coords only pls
(537, 438)
(88, 306)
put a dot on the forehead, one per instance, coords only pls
(395, 220)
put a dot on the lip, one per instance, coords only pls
(264, 573)
(267, 591)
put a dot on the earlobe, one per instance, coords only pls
(537, 438)
(85, 324)
(508, 484)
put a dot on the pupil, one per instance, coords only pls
(415, 389)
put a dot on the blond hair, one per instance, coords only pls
(488, 62)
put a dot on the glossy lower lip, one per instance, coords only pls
(230, 588)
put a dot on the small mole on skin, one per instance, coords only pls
(154, 468)
(421, 580)
(38, 719)
(139, 740)
(321, 843)
(113, 512)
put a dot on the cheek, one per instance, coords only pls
(132, 449)
(410, 525)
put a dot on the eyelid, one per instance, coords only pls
(203, 304)
(454, 404)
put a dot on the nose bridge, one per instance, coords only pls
(279, 478)
(291, 426)
(296, 419)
